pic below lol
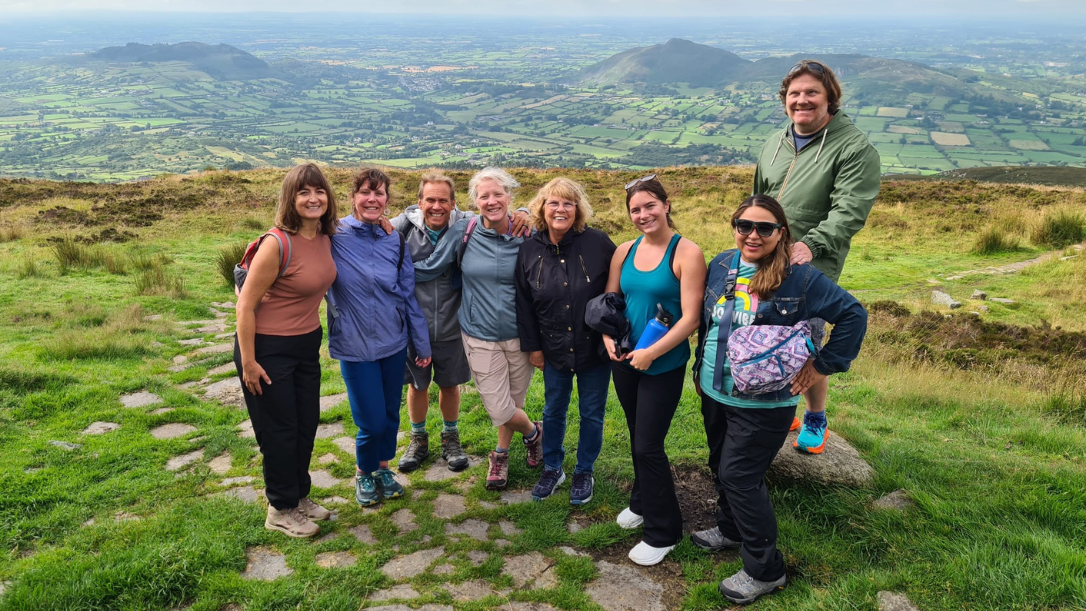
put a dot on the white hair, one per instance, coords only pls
(498, 175)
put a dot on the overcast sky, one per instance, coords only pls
(1061, 10)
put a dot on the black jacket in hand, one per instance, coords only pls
(554, 282)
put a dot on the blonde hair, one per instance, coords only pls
(504, 179)
(561, 188)
(299, 177)
(438, 178)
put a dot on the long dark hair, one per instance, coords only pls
(774, 268)
(657, 190)
(300, 176)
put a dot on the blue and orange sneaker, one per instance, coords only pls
(795, 424)
(813, 434)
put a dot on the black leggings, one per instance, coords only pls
(285, 417)
(650, 402)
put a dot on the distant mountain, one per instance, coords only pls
(676, 61)
(1034, 175)
(220, 61)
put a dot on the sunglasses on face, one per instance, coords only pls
(744, 227)
(814, 67)
(642, 179)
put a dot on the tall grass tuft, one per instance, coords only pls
(28, 268)
(995, 240)
(74, 255)
(12, 233)
(157, 280)
(228, 258)
(1059, 229)
(119, 335)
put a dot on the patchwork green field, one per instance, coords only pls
(111, 498)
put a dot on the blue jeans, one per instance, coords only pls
(375, 390)
(592, 392)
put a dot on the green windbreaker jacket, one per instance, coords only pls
(827, 189)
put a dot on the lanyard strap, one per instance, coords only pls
(724, 327)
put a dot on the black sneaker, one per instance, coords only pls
(548, 481)
(580, 492)
(417, 451)
(741, 588)
(712, 540)
(452, 452)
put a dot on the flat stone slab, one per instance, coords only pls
(245, 430)
(217, 326)
(448, 506)
(477, 557)
(335, 560)
(220, 464)
(172, 430)
(469, 590)
(184, 460)
(225, 305)
(234, 481)
(324, 431)
(443, 569)
(411, 565)
(324, 479)
(65, 445)
(266, 564)
(245, 493)
(839, 464)
(514, 497)
(892, 601)
(404, 519)
(224, 368)
(430, 607)
(100, 428)
(347, 444)
(364, 534)
(624, 588)
(439, 470)
(476, 529)
(215, 349)
(226, 391)
(328, 459)
(161, 410)
(217, 313)
(897, 500)
(140, 399)
(527, 606)
(569, 551)
(509, 529)
(196, 341)
(330, 401)
(400, 592)
(531, 568)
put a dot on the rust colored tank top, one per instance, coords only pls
(291, 304)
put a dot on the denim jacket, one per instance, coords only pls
(806, 293)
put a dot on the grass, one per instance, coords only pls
(1059, 229)
(228, 258)
(995, 240)
(981, 421)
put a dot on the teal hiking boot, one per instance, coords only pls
(365, 490)
(390, 488)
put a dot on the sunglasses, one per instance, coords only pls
(744, 227)
(813, 67)
(642, 179)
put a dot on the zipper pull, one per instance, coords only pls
(539, 271)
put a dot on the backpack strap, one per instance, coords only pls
(724, 327)
(285, 248)
(464, 243)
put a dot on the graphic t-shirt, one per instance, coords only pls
(745, 309)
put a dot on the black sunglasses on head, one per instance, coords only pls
(814, 67)
(744, 227)
(642, 179)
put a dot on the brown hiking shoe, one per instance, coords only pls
(313, 511)
(452, 451)
(535, 448)
(291, 522)
(417, 451)
(498, 475)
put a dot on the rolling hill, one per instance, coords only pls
(221, 61)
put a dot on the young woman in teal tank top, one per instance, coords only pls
(659, 267)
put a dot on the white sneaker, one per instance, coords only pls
(628, 519)
(647, 555)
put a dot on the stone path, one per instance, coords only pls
(266, 564)
(624, 588)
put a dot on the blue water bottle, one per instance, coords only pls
(657, 328)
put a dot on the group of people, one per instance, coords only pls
(439, 295)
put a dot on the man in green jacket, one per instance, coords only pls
(825, 173)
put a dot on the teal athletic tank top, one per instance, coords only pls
(643, 290)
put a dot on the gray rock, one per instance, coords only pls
(943, 299)
(324, 479)
(217, 326)
(220, 464)
(514, 497)
(363, 533)
(982, 308)
(569, 551)
(216, 349)
(448, 506)
(400, 592)
(502, 543)
(226, 391)
(531, 568)
(265, 564)
(624, 588)
(527, 606)
(247, 494)
(469, 590)
(509, 529)
(404, 519)
(140, 399)
(245, 430)
(406, 567)
(224, 368)
(347, 444)
(330, 401)
(217, 313)
(839, 464)
(225, 305)
(439, 470)
(892, 601)
(443, 569)
(334, 560)
(979, 294)
(476, 529)
(172, 430)
(180, 358)
(99, 428)
(184, 460)
(65, 445)
(574, 527)
(196, 341)
(324, 431)
(1002, 300)
(161, 410)
(898, 500)
(477, 557)
(328, 459)
(234, 481)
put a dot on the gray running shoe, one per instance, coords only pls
(741, 588)
(417, 451)
(548, 481)
(452, 452)
(390, 488)
(712, 540)
(365, 490)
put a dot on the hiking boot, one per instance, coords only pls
(390, 488)
(417, 451)
(628, 519)
(365, 490)
(291, 522)
(712, 540)
(580, 492)
(313, 511)
(498, 475)
(742, 588)
(548, 481)
(812, 436)
(535, 448)
(452, 452)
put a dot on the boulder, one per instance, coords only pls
(944, 299)
(839, 464)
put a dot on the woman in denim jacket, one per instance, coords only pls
(746, 431)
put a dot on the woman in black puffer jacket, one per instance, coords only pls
(559, 269)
